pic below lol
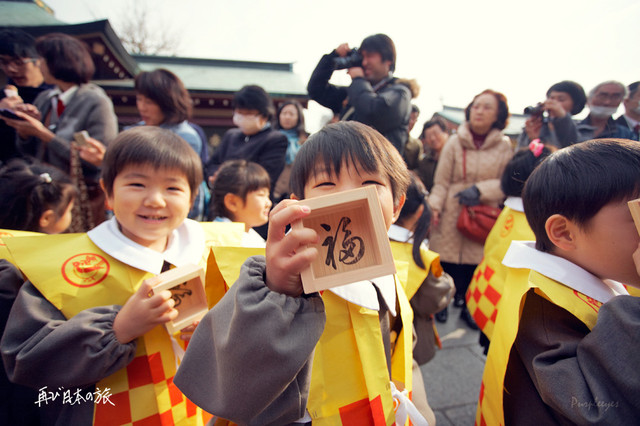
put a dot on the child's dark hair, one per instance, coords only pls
(354, 143)
(153, 146)
(416, 197)
(238, 177)
(577, 181)
(28, 190)
(518, 170)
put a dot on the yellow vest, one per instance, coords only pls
(86, 277)
(349, 379)
(487, 284)
(490, 403)
(8, 233)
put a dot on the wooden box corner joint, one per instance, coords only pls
(186, 284)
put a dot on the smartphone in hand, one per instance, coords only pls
(10, 114)
(81, 137)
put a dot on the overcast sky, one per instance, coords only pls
(453, 48)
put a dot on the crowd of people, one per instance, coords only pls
(92, 214)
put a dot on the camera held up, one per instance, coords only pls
(353, 59)
(534, 110)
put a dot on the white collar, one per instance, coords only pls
(514, 203)
(186, 245)
(523, 254)
(398, 233)
(251, 238)
(65, 96)
(363, 294)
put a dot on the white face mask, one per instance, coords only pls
(602, 111)
(249, 124)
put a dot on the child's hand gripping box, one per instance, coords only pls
(353, 242)
(186, 284)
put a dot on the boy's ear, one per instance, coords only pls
(232, 202)
(293, 197)
(108, 198)
(398, 207)
(561, 232)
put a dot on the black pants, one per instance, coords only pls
(461, 274)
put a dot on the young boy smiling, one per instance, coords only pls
(87, 320)
(266, 353)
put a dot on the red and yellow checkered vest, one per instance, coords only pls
(486, 287)
(490, 402)
(78, 275)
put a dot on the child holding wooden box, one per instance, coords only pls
(87, 329)
(545, 365)
(269, 354)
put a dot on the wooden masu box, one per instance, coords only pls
(353, 242)
(634, 207)
(186, 284)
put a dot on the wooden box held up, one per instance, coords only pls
(634, 207)
(353, 242)
(186, 284)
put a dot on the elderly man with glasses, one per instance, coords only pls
(603, 102)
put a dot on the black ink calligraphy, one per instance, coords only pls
(352, 246)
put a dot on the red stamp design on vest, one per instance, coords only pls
(4, 234)
(593, 303)
(85, 270)
(508, 226)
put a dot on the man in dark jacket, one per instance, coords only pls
(20, 63)
(375, 97)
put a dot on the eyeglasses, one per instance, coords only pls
(16, 62)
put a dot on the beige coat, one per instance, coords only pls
(484, 169)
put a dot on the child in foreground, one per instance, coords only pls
(266, 353)
(544, 364)
(240, 193)
(87, 322)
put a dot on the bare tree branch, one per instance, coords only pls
(140, 33)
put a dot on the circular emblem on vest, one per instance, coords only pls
(85, 270)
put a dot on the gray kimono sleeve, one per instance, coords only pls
(250, 357)
(40, 347)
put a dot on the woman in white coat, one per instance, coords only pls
(468, 173)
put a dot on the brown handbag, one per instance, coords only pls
(475, 222)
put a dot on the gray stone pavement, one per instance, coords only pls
(452, 378)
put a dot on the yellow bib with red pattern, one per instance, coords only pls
(349, 379)
(74, 274)
(487, 284)
(585, 308)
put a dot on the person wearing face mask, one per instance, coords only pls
(552, 122)
(254, 139)
(603, 101)
(631, 116)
